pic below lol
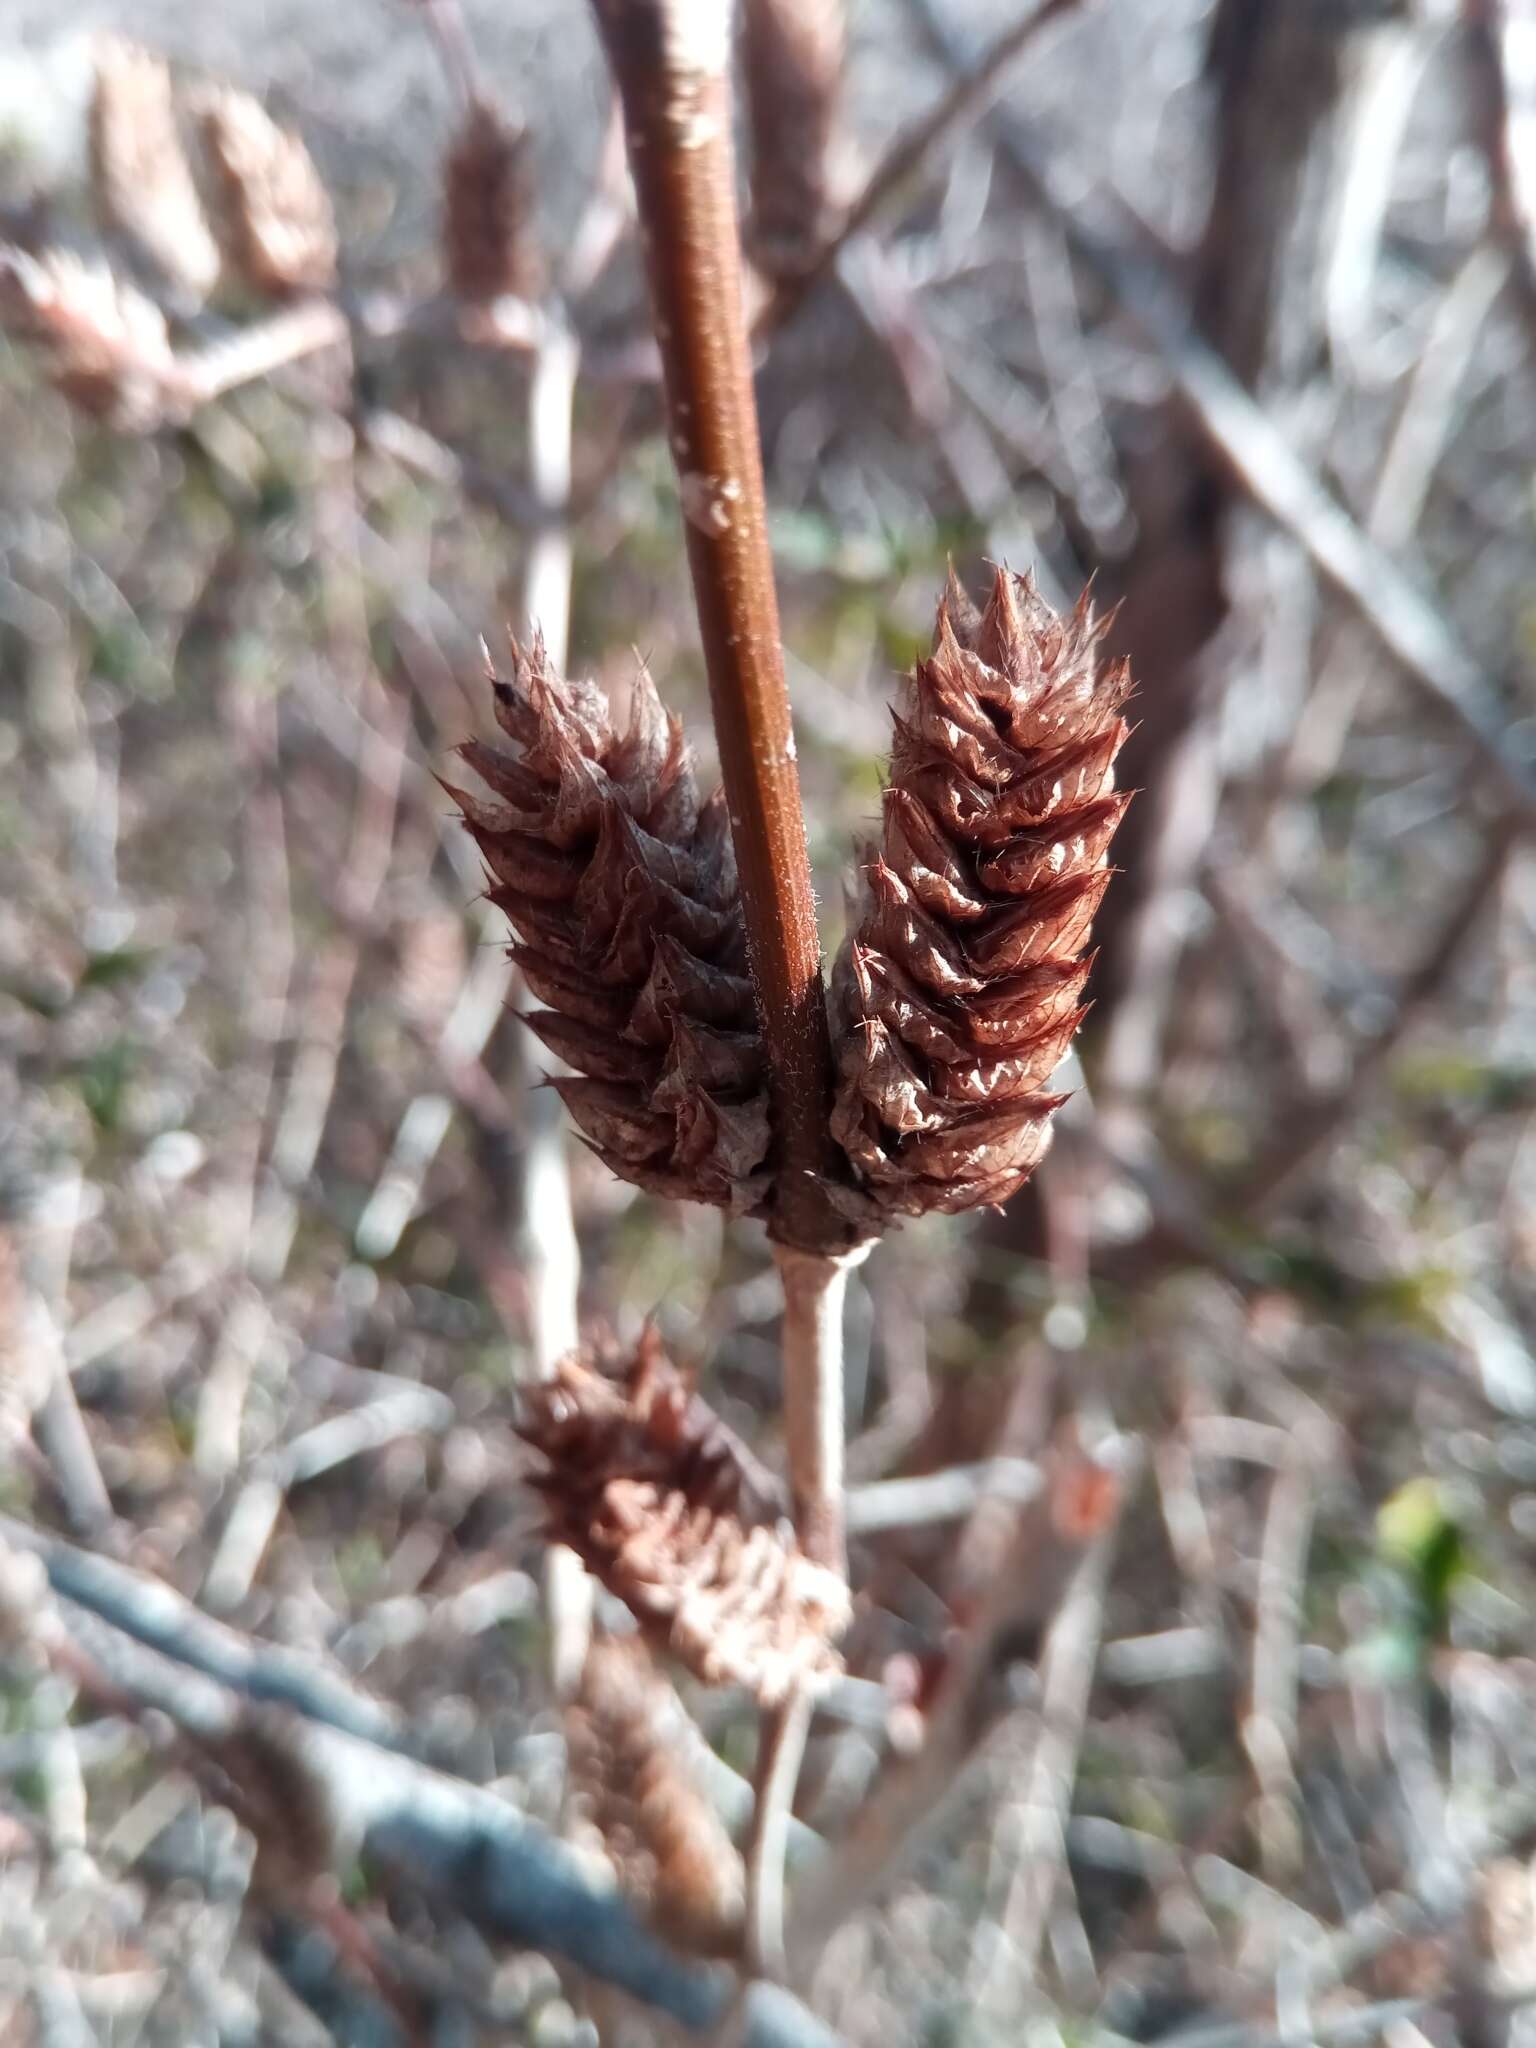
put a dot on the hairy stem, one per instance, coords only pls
(670, 60)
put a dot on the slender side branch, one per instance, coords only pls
(1312, 1127)
(546, 1227)
(784, 1733)
(251, 353)
(670, 60)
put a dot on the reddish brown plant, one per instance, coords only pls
(960, 986)
(621, 887)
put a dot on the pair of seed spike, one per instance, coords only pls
(959, 987)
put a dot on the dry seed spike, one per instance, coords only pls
(489, 244)
(958, 988)
(276, 221)
(141, 181)
(672, 1513)
(621, 889)
(792, 73)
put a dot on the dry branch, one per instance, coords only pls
(1071, 1519)
(544, 1225)
(1502, 79)
(1310, 1129)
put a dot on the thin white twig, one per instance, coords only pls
(784, 1732)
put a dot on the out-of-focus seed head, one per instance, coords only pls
(141, 179)
(106, 346)
(278, 229)
(489, 242)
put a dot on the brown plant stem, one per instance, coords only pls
(670, 61)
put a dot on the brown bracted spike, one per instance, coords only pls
(488, 233)
(141, 180)
(792, 67)
(959, 988)
(630, 1780)
(621, 889)
(276, 222)
(674, 1515)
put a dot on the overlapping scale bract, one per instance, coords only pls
(621, 888)
(960, 986)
